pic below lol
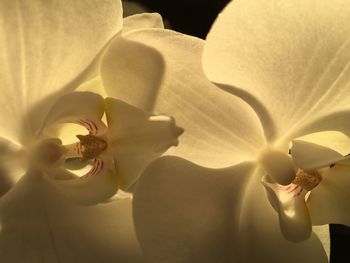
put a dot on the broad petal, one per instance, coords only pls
(289, 203)
(39, 225)
(136, 138)
(187, 213)
(142, 21)
(220, 130)
(44, 46)
(97, 186)
(183, 212)
(260, 234)
(320, 149)
(294, 62)
(132, 72)
(329, 202)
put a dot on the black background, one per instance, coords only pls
(194, 17)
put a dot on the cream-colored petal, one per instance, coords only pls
(45, 45)
(293, 61)
(132, 72)
(191, 214)
(289, 203)
(142, 21)
(320, 149)
(94, 85)
(39, 225)
(220, 130)
(329, 201)
(136, 138)
(183, 211)
(96, 186)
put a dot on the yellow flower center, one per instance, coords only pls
(308, 180)
(92, 146)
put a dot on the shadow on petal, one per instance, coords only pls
(39, 225)
(183, 212)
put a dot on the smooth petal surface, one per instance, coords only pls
(320, 149)
(329, 201)
(39, 225)
(44, 46)
(187, 213)
(183, 211)
(293, 61)
(81, 108)
(289, 203)
(90, 189)
(141, 21)
(132, 72)
(220, 130)
(259, 232)
(136, 138)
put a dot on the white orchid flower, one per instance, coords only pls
(48, 49)
(290, 65)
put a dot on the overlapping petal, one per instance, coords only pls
(329, 201)
(219, 130)
(142, 21)
(295, 62)
(187, 213)
(76, 107)
(132, 72)
(183, 211)
(320, 149)
(91, 188)
(136, 138)
(44, 46)
(39, 224)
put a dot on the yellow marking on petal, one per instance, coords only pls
(93, 146)
(307, 180)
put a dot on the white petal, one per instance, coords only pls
(191, 214)
(44, 46)
(183, 211)
(320, 149)
(293, 61)
(94, 85)
(142, 21)
(220, 130)
(329, 201)
(136, 138)
(132, 72)
(289, 203)
(39, 225)
(93, 188)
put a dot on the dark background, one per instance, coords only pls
(194, 17)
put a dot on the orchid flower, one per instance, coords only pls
(49, 49)
(290, 160)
